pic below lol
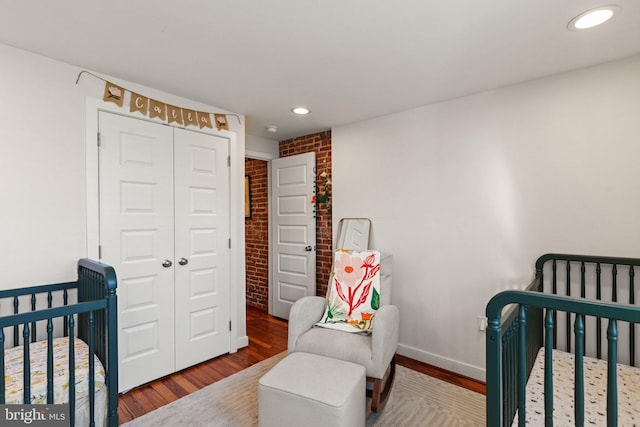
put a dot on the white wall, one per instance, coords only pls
(261, 148)
(43, 195)
(468, 193)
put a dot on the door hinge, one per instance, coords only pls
(99, 142)
(99, 251)
(229, 161)
(229, 325)
(229, 243)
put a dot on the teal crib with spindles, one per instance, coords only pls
(563, 350)
(60, 346)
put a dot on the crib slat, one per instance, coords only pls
(506, 367)
(568, 318)
(26, 369)
(579, 370)
(508, 403)
(72, 373)
(555, 292)
(2, 384)
(612, 378)
(598, 319)
(614, 283)
(548, 370)
(49, 299)
(65, 327)
(33, 324)
(522, 369)
(583, 294)
(49, 361)
(632, 326)
(583, 283)
(509, 387)
(16, 330)
(92, 379)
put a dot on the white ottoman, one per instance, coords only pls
(309, 390)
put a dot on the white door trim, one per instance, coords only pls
(236, 226)
(259, 155)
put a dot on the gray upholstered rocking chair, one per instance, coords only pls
(376, 352)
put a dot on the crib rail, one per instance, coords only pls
(616, 274)
(33, 292)
(96, 313)
(550, 303)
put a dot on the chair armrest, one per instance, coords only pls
(303, 315)
(385, 335)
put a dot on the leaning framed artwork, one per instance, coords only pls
(247, 196)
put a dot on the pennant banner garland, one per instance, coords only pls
(152, 108)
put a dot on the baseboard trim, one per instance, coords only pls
(442, 362)
(242, 341)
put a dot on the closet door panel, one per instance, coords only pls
(202, 247)
(136, 237)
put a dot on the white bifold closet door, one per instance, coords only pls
(164, 226)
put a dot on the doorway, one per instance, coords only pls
(164, 227)
(257, 234)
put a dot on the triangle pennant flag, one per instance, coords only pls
(221, 121)
(174, 114)
(139, 103)
(157, 109)
(113, 93)
(204, 120)
(190, 117)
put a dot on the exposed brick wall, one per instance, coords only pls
(320, 143)
(257, 235)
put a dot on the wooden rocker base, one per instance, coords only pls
(381, 387)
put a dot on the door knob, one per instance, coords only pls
(308, 248)
(183, 261)
(166, 263)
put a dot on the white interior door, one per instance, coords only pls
(136, 237)
(293, 230)
(202, 247)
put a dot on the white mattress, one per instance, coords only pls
(595, 392)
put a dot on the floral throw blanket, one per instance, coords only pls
(354, 291)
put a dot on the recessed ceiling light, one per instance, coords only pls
(300, 110)
(272, 128)
(593, 17)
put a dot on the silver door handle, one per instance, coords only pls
(308, 248)
(183, 261)
(166, 263)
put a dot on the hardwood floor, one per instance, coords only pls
(267, 337)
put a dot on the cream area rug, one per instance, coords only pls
(416, 400)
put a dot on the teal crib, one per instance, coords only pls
(578, 311)
(80, 316)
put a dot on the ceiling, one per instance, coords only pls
(346, 60)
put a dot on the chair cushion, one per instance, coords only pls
(353, 296)
(354, 348)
